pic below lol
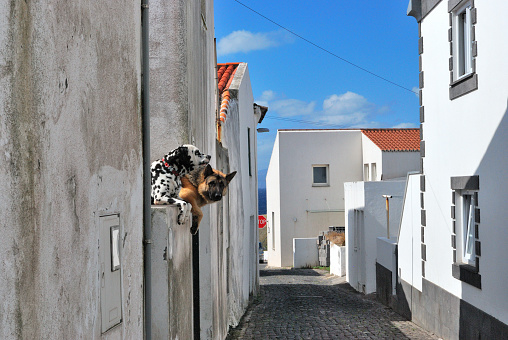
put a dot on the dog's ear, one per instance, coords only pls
(208, 171)
(230, 176)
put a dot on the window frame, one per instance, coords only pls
(462, 42)
(327, 175)
(466, 80)
(467, 225)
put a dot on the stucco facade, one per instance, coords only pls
(464, 124)
(70, 152)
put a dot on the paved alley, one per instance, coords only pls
(312, 304)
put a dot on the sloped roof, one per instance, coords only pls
(394, 139)
(225, 75)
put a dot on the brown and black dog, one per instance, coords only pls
(203, 186)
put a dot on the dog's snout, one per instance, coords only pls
(217, 196)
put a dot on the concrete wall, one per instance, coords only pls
(305, 252)
(386, 251)
(361, 243)
(337, 260)
(304, 209)
(172, 316)
(480, 115)
(70, 151)
(182, 76)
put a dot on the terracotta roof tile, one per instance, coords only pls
(225, 73)
(394, 139)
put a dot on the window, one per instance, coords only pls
(465, 215)
(463, 48)
(248, 146)
(467, 221)
(366, 172)
(320, 175)
(373, 172)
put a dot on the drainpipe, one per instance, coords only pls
(147, 217)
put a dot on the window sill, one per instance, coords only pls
(468, 274)
(463, 86)
(320, 185)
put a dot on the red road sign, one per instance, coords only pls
(261, 221)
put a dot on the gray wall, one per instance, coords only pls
(70, 150)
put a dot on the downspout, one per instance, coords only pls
(147, 217)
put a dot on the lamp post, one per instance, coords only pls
(387, 197)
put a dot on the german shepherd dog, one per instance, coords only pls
(203, 186)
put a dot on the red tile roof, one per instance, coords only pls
(225, 73)
(394, 139)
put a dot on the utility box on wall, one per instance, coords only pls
(110, 271)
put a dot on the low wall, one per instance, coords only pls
(172, 288)
(338, 260)
(305, 252)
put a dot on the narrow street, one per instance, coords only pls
(312, 304)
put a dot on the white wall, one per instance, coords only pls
(273, 207)
(397, 164)
(372, 154)
(463, 137)
(409, 239)
(368, 196)
(243, 242)
(304, 209)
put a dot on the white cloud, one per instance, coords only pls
(292, 107)
(346, 104)
(245, 41)
(349, 109)
(405, 125)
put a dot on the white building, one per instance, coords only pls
(306, 176)
(366, 219)
(456, 284)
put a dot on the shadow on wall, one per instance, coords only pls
(288, 272)
(493, 194)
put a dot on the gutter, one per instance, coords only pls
(147, 217)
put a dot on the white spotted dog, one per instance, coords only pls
(167, 173)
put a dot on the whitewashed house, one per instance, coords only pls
(456, 281)
(389, 154)
(306, 176)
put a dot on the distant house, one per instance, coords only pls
(307, 172)
(452, 272)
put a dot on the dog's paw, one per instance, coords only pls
(195, 226)
(185, 209)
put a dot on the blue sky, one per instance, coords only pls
(300, 82)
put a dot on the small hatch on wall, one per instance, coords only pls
(110, 271)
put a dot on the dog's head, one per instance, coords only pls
(187, 157)
(215, 183)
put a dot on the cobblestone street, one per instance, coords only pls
(312, 304)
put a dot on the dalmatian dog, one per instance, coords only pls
(167, 173)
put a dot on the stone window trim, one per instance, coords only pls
(468, 83)
(466, 273)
